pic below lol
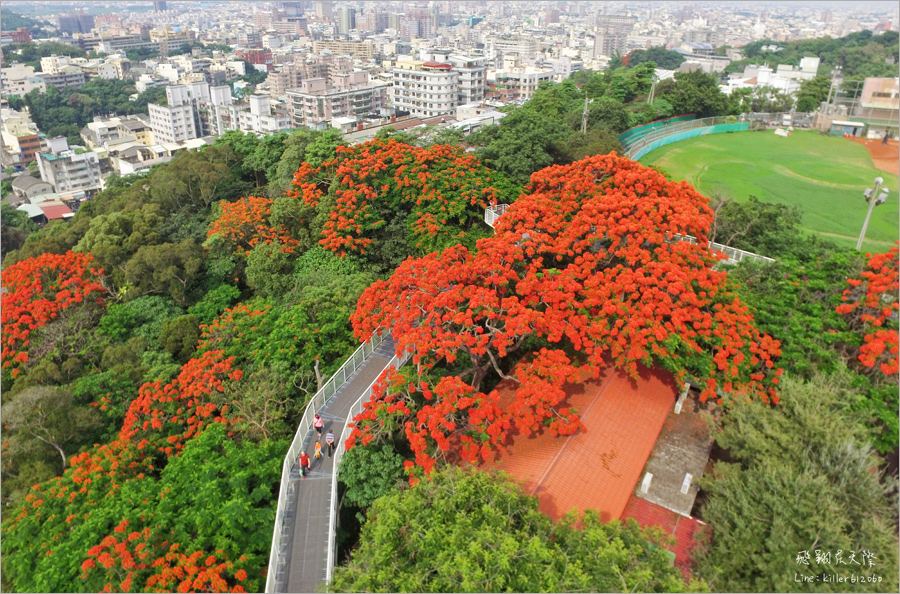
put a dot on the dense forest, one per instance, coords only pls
(159, 348)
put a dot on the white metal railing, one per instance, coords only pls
(357, 408)
(493, 212)
(735, 255)
(318, 401)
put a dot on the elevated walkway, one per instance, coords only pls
(303, 542)
(735, 255)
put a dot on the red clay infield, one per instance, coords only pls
(885, 157)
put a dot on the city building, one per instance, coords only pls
(358, 49)
(324, 10)
(316, 103)
(434, 88)
(425, 89)
(114, 43)
(170, 38)
(611, 35)
(69, 170)
(250, 39)
(517, 82)
(20, 139)
(346, 20)
(194, 110)
(67, 76)
(75, 22)
(20, 35)
(106, 133)
(18, 80)
(263, 57)
(25, 187)
(261, 118)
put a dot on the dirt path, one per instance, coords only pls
(884, 157)
(785, 171)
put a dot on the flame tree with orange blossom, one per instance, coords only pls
(583, 272)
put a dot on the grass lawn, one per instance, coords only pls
(823, 175)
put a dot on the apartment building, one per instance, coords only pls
(316, 103)
(516, 82)
(434, 88)
(20, 139)
(105, 133)
(110, 43)
(261, 118)
(69, 170)
(20, 35)
(16, 80)
(194, 110)
(359, 49)
(425, 89)
(611, 35)
(288, 77)
(262, 57)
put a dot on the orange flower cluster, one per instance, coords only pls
(165, 417)
(876, 307)
(38, 290)
(245, 224)
(439, 185)
(584, 263)
(139, 557)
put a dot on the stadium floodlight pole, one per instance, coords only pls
(874, 199)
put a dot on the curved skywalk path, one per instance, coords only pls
(302, 558)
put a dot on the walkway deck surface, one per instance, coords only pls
(308, 511)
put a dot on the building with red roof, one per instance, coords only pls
(630, 428)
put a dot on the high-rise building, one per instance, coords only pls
(346, 20)
(612, 34)
(375, 21)
(551, 15)
(76, 22)
(415, 25)
(160, 6)
(193, 110)
(324, 10)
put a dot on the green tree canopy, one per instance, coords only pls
(695, 92)
(803, 480)
(478, 532)
(659, 55)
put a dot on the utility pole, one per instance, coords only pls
(584, 117)
(874, 199)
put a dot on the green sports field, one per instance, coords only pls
(823, 175)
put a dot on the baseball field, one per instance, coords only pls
(824, 175)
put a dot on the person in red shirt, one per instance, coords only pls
(304, 463)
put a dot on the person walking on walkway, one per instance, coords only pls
(329, 441)
(318, 453)
(318, 424)
(304, 463)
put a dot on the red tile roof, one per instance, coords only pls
(55, 211)
(683, 528)
(599, 467)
